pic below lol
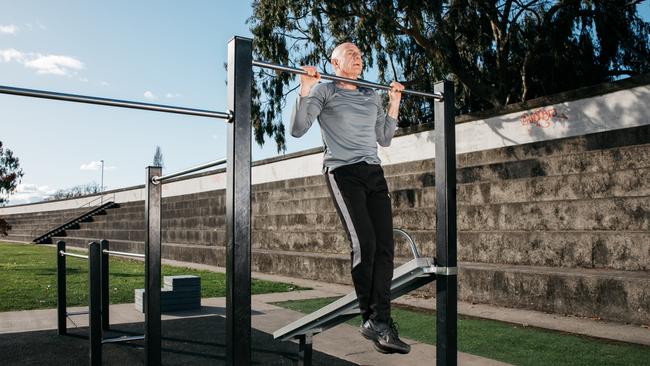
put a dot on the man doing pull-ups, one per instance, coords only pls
(353, 122)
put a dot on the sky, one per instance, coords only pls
(166, 52)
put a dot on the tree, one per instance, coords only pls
(76, 191)
(158, 158)
(10, 176)
(496, 52)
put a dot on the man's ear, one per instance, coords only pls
(334, 62)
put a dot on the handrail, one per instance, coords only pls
(360, 82)
(162, 178)
(66, 254)
(112, 102)
(411, 241)
(113, 252)
(101, 198)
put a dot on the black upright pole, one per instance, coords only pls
(103, 245)
(238, 204)
(94, 303)
(61, 305)
(445, 173)
(152, 214)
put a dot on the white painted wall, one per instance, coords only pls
(616, 110)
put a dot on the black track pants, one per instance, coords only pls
(361, 198)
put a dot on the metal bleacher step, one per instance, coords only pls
(406, 278)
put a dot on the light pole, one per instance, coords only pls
(101, 187)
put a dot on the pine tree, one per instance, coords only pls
(158, 158)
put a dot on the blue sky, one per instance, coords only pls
(167, 52)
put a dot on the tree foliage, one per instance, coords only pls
(10, 174)
(158, 157)
(76, 191)
(496, 52)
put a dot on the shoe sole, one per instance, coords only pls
(386, 350)
(369, 335)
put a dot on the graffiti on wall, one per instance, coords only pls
(542, 118)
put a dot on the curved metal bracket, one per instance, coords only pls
(411, 241)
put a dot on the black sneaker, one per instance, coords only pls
(367, 330)
(387, 340)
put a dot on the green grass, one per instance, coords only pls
(28, 279)
(507, 342)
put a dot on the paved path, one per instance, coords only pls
(343, 341)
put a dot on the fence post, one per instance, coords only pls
(103, 245)
(94, 303)
(152, 251)
(238, 204)
(61, 304)
(445, 177)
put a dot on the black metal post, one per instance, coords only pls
(152, 214)
(61, 305)
(445, 173)
(94, 303)
(305, 350)
(103, 245)
(238, 204)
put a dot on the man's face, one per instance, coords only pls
(346, 60)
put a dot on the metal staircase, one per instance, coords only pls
(72, 223)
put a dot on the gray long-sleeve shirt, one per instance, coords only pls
(352, 123)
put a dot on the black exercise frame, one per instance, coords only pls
(238, 211)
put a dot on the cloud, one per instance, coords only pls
(172, 95)
(95, 165)
(12, 54)
(149, 95)
(104, 83)
(83, 80)
(28, 193)
(8, 29)
(54, 64)
(43, 64)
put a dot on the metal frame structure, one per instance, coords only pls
(238, 209)
(446, 269)
(406, 278)
(94, 301)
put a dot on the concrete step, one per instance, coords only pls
(198, 237)
(508, 166)
(113, 225)
(631, 158)
(113, 216)
(611, 295)
(18, 238)
(572, 249)
(621, 183)
(625, 213)
(591, 142)
(189, 203)
(629, 251)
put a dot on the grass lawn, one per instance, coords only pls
(506, 342)
(28, 279)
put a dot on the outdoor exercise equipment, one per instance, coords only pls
(238, 208)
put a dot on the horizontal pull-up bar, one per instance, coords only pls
(112, 102)
(358, 82)
(162, 178)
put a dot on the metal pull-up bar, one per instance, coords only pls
(112, 102)
(359, 82)
(162, 178)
